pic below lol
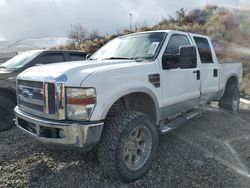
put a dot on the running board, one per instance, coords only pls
(180, 120)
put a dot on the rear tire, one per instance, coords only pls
(128, 146)
(231, 98)
(6, 113)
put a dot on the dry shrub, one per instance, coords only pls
(219, 23)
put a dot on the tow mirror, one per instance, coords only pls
(188, 57)
(170, 61)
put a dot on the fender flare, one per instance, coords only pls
(116, 96)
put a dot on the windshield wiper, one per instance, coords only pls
(125, 58)
(2, 67)
(91, 59)
(117, 58)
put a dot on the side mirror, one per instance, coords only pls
(170, 61)
(188, 57)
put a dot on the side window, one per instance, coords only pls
(77, 56)
(175, 42)
(204, 49)
(50, 58)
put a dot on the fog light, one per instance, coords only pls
(61, 134)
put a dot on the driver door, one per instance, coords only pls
(181, 86)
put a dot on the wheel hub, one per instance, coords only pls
(137, 148)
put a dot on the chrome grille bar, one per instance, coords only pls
(31, 100)
(46, 99)
(32, 84)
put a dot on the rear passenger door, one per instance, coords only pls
(208, 67)
(48, 58)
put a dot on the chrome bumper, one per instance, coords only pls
(65, 133)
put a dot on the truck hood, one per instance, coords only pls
(72, 73)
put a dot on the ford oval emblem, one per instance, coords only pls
(27, 93)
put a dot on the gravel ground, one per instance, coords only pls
(212, 150)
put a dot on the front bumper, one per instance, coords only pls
(82, 135)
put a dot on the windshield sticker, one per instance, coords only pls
(153, 48)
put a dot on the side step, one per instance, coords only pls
(180, 120)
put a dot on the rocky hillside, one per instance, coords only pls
(32, 44)
(229, 30)
(226, 27)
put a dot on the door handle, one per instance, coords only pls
(215, 72)
(198, 74)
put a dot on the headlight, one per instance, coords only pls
(80, 103)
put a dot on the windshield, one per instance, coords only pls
(138, 46)
(20, 60)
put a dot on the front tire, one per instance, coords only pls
(128, 146)
(6, 113)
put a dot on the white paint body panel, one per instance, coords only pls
(113, 79)
(118, 82)
(179, 85)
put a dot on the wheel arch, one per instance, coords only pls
(232, 79)
(142, 100)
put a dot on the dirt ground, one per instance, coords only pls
(211, 150)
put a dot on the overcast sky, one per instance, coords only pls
(22, 19)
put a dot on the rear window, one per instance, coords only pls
(77, 56)
(204, 49)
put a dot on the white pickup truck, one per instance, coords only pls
(129, 91)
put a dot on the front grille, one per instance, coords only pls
(41, 99)
(31, 95)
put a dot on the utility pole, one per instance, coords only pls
(236, 6)
(130, 21)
